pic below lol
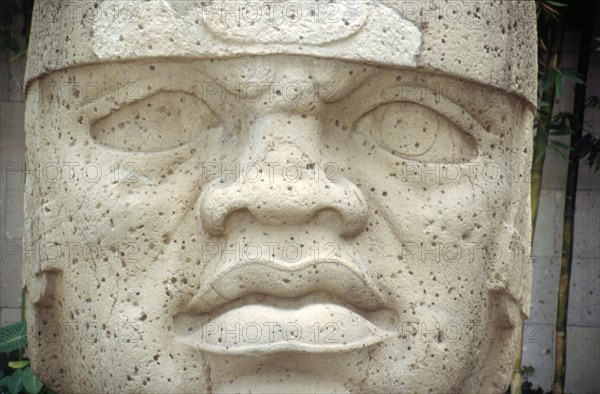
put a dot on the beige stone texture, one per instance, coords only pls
(333, 206)
(500, 35)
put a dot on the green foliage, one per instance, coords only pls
(564, 123)
(589, 145)
(589, 149)
(553, 18)
(9, 45)
(549, 9)
(18, 364)
(14, 382)
(20, 379)
(30, 382)
(13, 337)
(527, 387)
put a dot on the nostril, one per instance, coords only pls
(278, 203)
(214, 206)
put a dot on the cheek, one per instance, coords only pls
(114, 212)
(134, 199)
(148, 234)
(427, 356)
(426, 240)
(427, 221)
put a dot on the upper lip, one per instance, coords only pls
(284, 280)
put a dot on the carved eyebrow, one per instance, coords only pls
(412, 92)
(467, 91)
(129, 92)
(360, 85)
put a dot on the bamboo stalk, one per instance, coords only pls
(540, 141)
(566, 259)
(540, 145)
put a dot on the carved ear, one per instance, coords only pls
(501, 340)
(509, 284)
(42, 222)
(43, 258)
(42, 289)
(510, 270)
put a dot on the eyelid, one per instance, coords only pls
(163, 121)
(433, 100)
(101, 108)
(443, 106)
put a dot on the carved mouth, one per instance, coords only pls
(262, 324)
(269, 307)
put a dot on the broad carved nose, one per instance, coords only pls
(283, 181)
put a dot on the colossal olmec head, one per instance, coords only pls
(408, 267)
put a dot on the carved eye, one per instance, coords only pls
(414, 132)
(160, 122)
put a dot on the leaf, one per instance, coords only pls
(558, 83)
(593, 102)
(551, 11)
(557, 150)
(528, 369)
(549, 80)
(18, 364)
(30, 382)
(589, 149)
(548, 8)
(572, 76)
(18, 55)
(562, 131)
(539, 156)
(13, 337)
(14, 382)
(542, 103)
(556, 3)
(560, 145)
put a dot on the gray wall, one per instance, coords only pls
(12, 153)
(583, 358)
(583, 327)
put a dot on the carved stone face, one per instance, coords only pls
(275, 222)
(315, 202)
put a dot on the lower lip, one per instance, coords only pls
(260, 329)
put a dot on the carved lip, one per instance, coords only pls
(334, 275)
(267, 307)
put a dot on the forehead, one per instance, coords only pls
(281, 78)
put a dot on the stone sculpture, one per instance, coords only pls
(278, 196)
